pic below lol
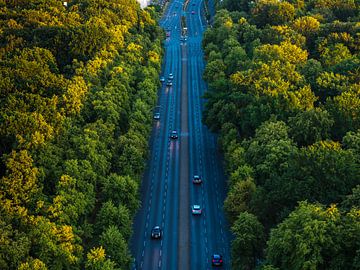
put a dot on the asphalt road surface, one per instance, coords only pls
(167, 191)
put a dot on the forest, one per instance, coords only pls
(78, 81)
(284, 96)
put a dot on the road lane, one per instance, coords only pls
(214, 188)
(167, 191)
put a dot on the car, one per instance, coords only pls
(216, 260)
(169, 83)
(192, 12)
(156, 233)
(157, 116)
(162, 79)
(197, 179)
(196, 209)
(171, 76)
(167, 34)
(174, 135)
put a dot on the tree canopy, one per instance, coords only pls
(283, 95)
(78, 83)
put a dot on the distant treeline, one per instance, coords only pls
(284, 79)
(77, 86)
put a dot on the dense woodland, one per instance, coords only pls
(284, 79)
(77, 86)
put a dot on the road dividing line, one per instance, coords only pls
(184, 201)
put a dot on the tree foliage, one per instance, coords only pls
(283, 81)
(77, 86)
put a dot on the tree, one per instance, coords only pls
(238, 198)
(116, 247)
(269, 151)
(310, 126)
(111, 215)
(96, 260)
(313, 238)
(248, 244)
(273, 12)
(33, 264)
(121, 190)
(307, 26)
(20, 184)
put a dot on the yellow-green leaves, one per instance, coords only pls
(20, 183)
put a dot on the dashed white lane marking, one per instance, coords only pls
(143, 252)
(144, 243)
(159, 263)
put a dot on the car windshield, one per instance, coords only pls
(216, 256)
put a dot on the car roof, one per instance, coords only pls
(156, 227)
(217, 256)
(196, 176)
(196, 206)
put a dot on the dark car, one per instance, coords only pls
(169, 83)
(156, 232)
(216, 260)
(197, 179)
(174, 135)
(192, 12)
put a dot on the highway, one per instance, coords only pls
(167, 191)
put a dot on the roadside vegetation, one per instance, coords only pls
(284, 95)
(77, 86)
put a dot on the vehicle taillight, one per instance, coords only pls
(220, 260)
(213, 260)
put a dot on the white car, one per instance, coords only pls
(196, 209)
(171, 76)
(156, 116)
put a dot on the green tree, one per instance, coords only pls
(310, 126)
(116, 247)
(111, 215)
(238, 198)
(121, 190)
(312, 238)
(247, 246)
